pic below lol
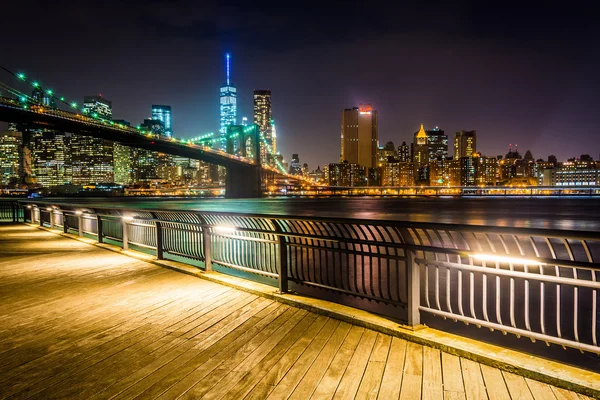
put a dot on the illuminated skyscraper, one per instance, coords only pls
(51, 158)
(359, 136)
(163, 113)
(403, 152)
(263, 118)
(228, 106)
(437, 141)
(421, 157)
(465, 144)
(97, 106)
(11, 145)
(92, 159)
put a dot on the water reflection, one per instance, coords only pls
(549, 213)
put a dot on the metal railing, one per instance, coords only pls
(536, 283)
(10, 211)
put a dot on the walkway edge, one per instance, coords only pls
(537, 368)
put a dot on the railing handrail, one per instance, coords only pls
(552, 233)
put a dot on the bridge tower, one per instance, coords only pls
(243, 182)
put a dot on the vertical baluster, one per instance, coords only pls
(448, 290)
(484, 293)
(472, 290)
(512, 297)
(594, 311)
(575, 307)
(426, 267)
(460, 285)
(527, 321)
(590, 259)
(437, 287)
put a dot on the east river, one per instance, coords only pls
(568, 213)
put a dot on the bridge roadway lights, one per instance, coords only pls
(243, 182)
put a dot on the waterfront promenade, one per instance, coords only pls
(79, 321)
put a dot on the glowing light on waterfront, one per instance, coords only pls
(224, 229)
(504, 259)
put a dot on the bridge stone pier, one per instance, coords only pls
(243, 182)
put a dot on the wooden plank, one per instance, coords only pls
(413, 372)
(285, 386)
(540, 391)
(473, 380)
(563, 394)
(394, 367)
(217, 375)
(160, 379)
(313, 376)
(252, 377)
(452, 377)
(279, 369)
(494, 382)
(517, 387)
(330, 381)
(356, 367)
(158, 361)
(371, 380)
(432, 374)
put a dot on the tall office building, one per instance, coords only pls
(51, 159)
(263, 118)
(359, 136)
(92, 159)
(97, 105)
(421, 157)
(11, 145)
(465, 144)
(227, 105)
(403, 152)
(437, 142)
(163, 113)
(295, 166)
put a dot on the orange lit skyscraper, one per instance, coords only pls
(359, 136)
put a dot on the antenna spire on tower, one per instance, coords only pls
(227, 57)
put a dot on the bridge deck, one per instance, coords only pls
(82, 322)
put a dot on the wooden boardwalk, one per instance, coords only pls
(78, 321)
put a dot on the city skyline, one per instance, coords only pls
(533, 92)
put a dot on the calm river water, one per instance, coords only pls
(571, 213)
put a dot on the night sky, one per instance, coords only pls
(526, 75)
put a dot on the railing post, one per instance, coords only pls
(414, 290)
(51, 214)
(14, 212)
(65, 226)
(80, 225)
(283, 265)
(159, 241)
(40, 217)
(125, 235)
(283, 258)
(206, 241)
(99, 228)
